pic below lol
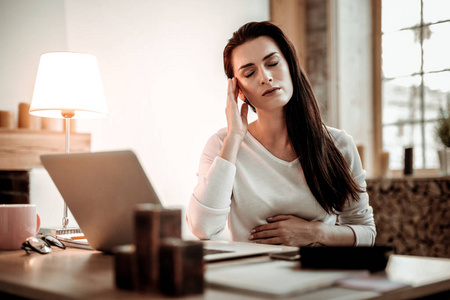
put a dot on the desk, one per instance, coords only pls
(84, 274)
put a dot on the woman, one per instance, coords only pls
(285, 178)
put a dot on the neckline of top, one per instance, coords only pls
(268, 153)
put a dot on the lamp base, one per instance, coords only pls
(59, 230)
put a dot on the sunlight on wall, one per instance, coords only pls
(162, 70)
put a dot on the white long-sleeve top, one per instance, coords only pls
(260, 186)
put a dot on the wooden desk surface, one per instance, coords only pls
(83, 274)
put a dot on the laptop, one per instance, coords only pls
(101, 190)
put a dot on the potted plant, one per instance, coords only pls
(443, 133)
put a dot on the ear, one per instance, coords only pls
(241, 95)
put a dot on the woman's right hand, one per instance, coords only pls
(237, 121)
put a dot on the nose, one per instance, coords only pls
(265, 76)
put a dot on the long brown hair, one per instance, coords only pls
(326, 172)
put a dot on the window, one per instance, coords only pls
(415, 78)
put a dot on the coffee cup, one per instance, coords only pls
(17, 223)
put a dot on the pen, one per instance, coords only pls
(78, 237)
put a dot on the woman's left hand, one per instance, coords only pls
(288, 230)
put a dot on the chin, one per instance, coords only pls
(273, 107)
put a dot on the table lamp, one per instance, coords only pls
(68, 86)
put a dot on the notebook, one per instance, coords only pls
(224, 250)
(101, 190)
(276, 279)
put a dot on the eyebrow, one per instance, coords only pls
(265, 57)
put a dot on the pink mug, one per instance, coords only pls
(17, 223)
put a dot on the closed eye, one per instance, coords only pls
(247, 76)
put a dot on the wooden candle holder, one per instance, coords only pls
(181, 267)
(152, 224)
(125, 267)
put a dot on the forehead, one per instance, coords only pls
(253, 51)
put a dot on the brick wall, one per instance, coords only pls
(317, 51)
(14, 187)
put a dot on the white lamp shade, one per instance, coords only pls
(68, 82)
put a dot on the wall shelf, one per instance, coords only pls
(20, 149)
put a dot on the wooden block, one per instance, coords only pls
(152, 224)
(384, 163)
(25, 120)
(6, 119)
(125, 267)
(181, 267)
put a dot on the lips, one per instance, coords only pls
(269, 91)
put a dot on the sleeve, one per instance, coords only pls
(208, 208)
(358, 215)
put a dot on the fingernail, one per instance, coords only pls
(268, 219)
(250, 237)
(253, 231)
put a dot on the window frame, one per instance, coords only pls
(377, 82)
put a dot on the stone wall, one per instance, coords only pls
(412, 214)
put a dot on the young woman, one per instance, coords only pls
(286, 178)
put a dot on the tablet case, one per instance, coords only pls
(369, 258)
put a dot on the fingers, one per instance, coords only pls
(244, 112)
(269, 230)
(278, 218)
(271, 241)
(237, 120)
(269, 226)
(237, 88)
(264, 234)
(232, 89)
(272, 223)
(264, 231)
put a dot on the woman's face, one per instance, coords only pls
(262, 73)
